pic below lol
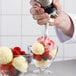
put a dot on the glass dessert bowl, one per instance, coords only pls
(13, 62)
(44, 51)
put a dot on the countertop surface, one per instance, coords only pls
(61, 68)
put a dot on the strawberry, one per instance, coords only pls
(23, 53)
(38, 57)
(17, 49)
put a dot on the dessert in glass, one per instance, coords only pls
(13, 62)
(44, 51)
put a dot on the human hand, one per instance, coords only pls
(63, 21)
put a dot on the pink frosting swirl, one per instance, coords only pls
(47, 43)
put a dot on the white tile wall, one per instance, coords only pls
(17, 27)
(11, 6)
(70, 6)
(10, 41)
(26, 7)
(70, 50)
(30, 27)
(10, 25)
(0, 6)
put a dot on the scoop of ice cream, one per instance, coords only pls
(42, 63)
(38, 48)
(20, 64)
(53, 52)
(47, 43)
(6, 55)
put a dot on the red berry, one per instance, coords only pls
(38, 57)
(23, 53)
(49, 44)
(16, 53)
(46, 53)
(10, 64)
(12, 71)
(18, 49)
(6, 67)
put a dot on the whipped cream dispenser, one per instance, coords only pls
(50, 9)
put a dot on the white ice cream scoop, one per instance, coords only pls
(38, 48)
(20, 64)
(6, 55)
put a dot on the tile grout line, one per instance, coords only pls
(24, 35)
(15, 14)
(0, 18)
(21, 20)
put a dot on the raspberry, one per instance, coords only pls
(16, 53)
(18, 49)
(46, 53)
(6, 67)
(9, 65)
(23, 53)
(11, 71)
(38, 57)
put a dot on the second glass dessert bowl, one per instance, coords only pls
(14, 62)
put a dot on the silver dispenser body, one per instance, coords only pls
(45, 3)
